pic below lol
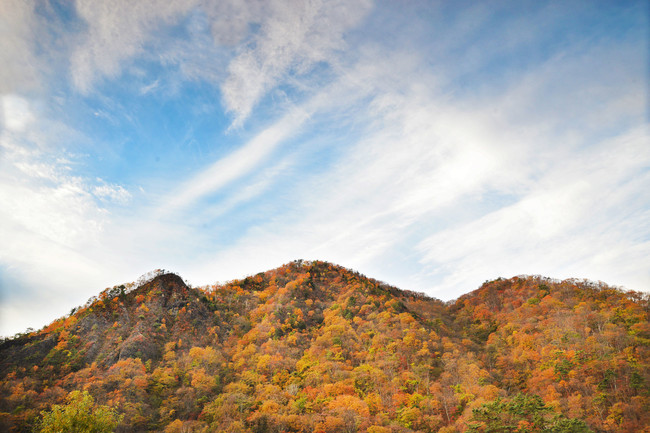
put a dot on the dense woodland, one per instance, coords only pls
(313, 347)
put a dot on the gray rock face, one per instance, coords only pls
(117, 326)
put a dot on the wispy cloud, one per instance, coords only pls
(150, 87)
(292, 39)
(236, 164)
(50, 220)
(487, 190)
(576, 213)
(116, 32)
(114, 193)
(18, 27)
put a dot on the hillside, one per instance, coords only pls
(313, 347)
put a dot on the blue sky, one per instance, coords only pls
(432, 145)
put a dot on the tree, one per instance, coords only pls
(80, 415)
(522, 414)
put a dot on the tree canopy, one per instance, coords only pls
(80, 415)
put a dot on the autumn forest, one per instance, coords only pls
(314, 347)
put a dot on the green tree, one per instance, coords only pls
(79, 415)
(522, 414)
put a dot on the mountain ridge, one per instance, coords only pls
(312, 346)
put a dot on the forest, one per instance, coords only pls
(315, 347)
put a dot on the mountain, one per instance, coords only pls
(314, 347)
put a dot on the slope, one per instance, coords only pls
(313, 347)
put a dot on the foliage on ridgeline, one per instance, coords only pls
(313, 347)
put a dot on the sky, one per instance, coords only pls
(432, 145)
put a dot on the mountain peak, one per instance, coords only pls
(164, 284)
(312, 346)
(168, 278)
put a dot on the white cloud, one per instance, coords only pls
(258, 185)
(16, 114)
(41, 279)
(48, 230)
(51, 224)
(431, 165)
(238, 163)
(42, 197)
(117, 31)
(578, 213)
(114, 193)
(18, 28)
(150, 87)
(292, 39)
